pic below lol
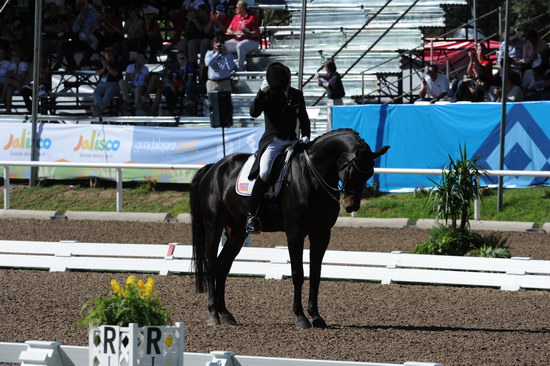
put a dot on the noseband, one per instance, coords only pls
(343, 174)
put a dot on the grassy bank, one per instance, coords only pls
(529, 204)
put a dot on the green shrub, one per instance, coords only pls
(444, 240)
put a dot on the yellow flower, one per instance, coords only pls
(130, 280)
(116, 288)
(148, 289)
(140, 284)
(169, 342)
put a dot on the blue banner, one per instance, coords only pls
(424, 136)
(168, 145)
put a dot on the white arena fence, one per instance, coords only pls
(7, 164)
(274, 263)
(53, 354)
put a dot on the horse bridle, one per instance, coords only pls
(343, 174)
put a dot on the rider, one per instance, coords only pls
(284, 113)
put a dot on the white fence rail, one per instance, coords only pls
(119, 167)
(54, 354)
(274, 263)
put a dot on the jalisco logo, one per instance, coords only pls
(24, 142)
(96, 143)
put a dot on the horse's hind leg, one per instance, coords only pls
(318, 245)
(212, 239)
(232, 247)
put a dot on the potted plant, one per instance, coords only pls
(131, 327)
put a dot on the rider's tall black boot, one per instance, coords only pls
(253, 224)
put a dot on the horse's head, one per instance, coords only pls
(354, 169)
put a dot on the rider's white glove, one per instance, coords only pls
(305, 140)
(265, 86)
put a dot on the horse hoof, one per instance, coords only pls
(213, 321)
(227, 318)
(319, 323)
(303, 323)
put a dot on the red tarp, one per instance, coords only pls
(455, 50)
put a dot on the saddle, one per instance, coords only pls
(277, 175)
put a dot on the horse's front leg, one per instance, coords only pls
(296, 251)
(319, 241)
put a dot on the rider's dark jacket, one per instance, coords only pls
(284, 114)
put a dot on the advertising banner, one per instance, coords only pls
(424, 136)
(122, 144)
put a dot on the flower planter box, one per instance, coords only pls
(133, 346)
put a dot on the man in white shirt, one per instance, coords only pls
(136, 79)
(220, 66)
(434, 84)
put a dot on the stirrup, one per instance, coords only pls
(253, 225)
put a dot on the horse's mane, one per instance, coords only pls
(340, 131)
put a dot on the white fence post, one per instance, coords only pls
(41, 353)
(6, 187)
(118, 189)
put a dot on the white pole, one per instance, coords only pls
(6, 187)
(119, 190)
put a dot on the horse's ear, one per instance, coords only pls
(381, 151)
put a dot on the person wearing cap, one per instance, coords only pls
(245, 30)
(136, 79)
(220, 64)
(284, 112)
(515, 49)
(107, 87)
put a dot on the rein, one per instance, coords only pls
(333, 192)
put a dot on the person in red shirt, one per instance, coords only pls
(245, 29)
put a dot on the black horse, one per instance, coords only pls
(308, 206)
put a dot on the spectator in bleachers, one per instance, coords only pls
(158, 82)
(332, 83)
(513, 92)
(434, 84)
(83, 39)
(56, 31)
(109, 74)
(220, 64)
(480, 66)
(539, 87)
(109, 31)
(135, 80)
(534, 50)
(219, 19)
(151, 30)
(44, 86)
(16, 78)
(515, 50)
(245, 30)
(198, 34)
(4, 68)
(184, 86)
(134, 35)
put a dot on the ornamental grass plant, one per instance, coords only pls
(451, 200)
(136, 302)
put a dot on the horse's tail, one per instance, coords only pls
(199, 231)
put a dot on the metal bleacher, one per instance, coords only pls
(329, 25)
